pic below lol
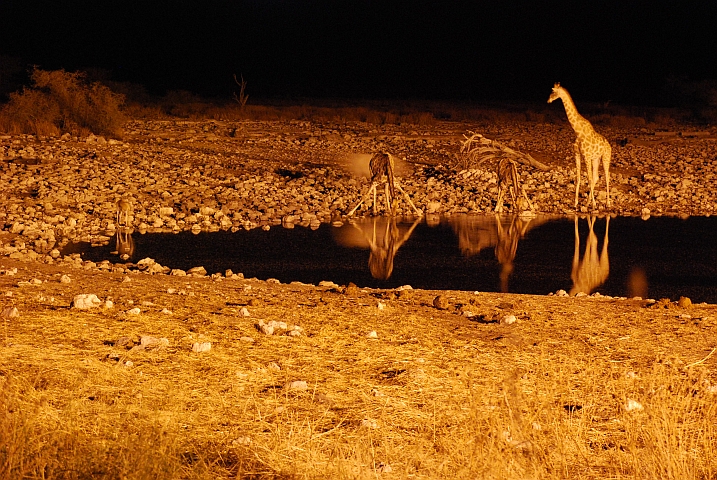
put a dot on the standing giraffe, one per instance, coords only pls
(589, 145)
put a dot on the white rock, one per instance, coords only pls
(86, 300)
(244, 312)
(369, 423)
(109, 303)
(146, 341)
(65, 279)
(633, 405)
(200, 347)
(296, 385)
(508, 319)
(133, 311)
(10, 312)
(372, 334)
(166, 311)
(381, 305)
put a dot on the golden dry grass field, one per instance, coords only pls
(577, 387)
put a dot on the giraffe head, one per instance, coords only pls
(557, 93)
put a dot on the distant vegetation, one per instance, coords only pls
(59, 102)
(80, 103)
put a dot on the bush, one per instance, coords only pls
(60, 102)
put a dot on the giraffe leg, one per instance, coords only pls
(606, 166)
(365, 197)
(408, 199)
(577, 173)
(592, 169)
(389, 200)
(499, 202)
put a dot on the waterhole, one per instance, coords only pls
(622, 256)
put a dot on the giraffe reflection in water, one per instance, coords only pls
(503, 233)
(383, 236)
(124, 243)
(594, 268)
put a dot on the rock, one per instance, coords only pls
(133, 311)
(65, 279)
(84, 301)
(508, 320)
(244, 312)
(633, 405)
(300, 385)
(10, 312)
(147, 341)
(124, 342)
(246, 339)
(200, 347)
(372, 334)
(197, 271)
(440, 302)
(684, 302)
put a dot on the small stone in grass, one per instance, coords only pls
(65, 279)
(84, 301)
(146, 341)
(633, 405)
(508, 320)
(10, 312)
(296, 385)
(372, 334)
(384, 468)
(369, 423)
(200, 347)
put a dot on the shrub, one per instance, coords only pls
(60, 101)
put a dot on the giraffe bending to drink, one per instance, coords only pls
(589, 145)
(380, 166)
(508, 180)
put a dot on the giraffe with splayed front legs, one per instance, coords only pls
(589, 145)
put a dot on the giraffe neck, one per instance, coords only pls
(577, 121)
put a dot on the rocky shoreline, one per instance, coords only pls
(211, 175)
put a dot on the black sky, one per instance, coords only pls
(511, 50)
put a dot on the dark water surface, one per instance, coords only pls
(655, 258)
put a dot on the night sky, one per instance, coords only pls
(620, 51)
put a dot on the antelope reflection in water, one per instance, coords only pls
(383, 236)
(476, 233)
(124, 243)
(592, 271)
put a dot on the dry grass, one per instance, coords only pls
(434, 396)
(59, 102)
